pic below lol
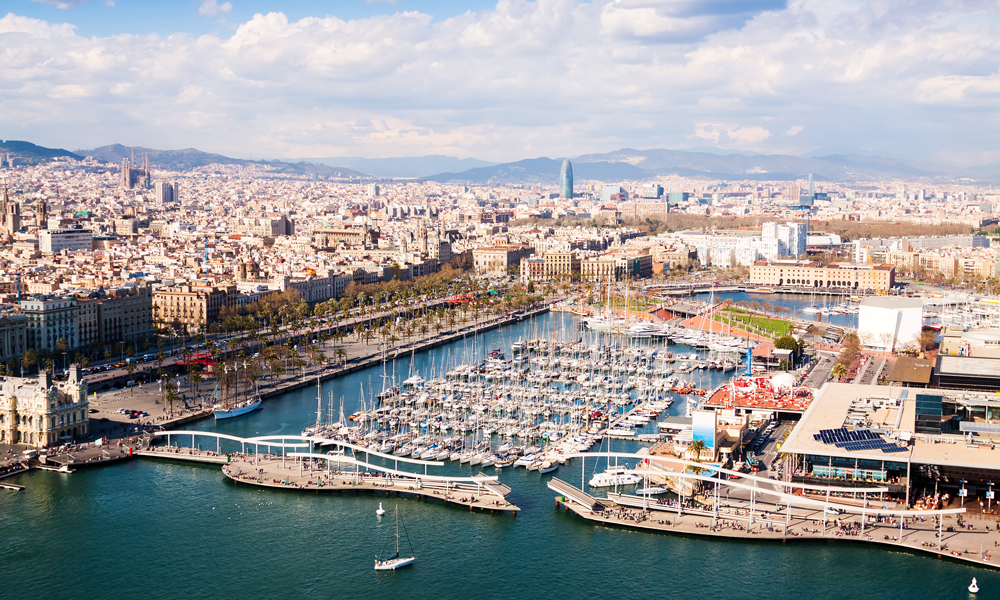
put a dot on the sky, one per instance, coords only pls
(505, 80)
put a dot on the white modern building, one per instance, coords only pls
(776, 241)
(886, 323)
(57, 240)
(791, 237)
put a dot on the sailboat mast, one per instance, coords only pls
(319, 401)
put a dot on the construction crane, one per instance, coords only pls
(878, 290)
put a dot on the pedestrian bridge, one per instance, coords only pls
(572, 493)
(288, 461)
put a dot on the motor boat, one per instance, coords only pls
(614, 476)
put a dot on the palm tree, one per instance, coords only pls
(277, 368)
(170, 394)
(29, 358)
(194, 379)
(695, 449)
(839, 370)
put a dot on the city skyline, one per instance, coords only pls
(506, 81)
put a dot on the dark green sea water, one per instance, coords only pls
(153, 530)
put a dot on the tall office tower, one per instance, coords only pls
(566, 180)
(372, 190)
(164, 192)
(812, 190)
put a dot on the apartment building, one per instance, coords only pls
(532, 269)
(13, 335)
(495, 260)
(620, 266)
(815, 275)
(50, 319)
(558, 264)
(192, 307)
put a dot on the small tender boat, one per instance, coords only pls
(547, 467)
(974, 587)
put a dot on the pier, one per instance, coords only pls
(336, 471)
(12, 486)
(777, 511)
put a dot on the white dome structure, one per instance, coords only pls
(783, 381)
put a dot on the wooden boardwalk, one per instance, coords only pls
(270, 471)
(918, 538)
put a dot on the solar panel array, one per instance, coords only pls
(861, 439)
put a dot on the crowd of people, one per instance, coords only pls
(13, 466)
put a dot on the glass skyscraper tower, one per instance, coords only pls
(566, 180)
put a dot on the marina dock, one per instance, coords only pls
(12, 486)
(488, 496)
(633, 512)
(301, 469)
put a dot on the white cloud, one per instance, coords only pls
(64, 4)
(731, 134)
(212, 9)
(527, 78)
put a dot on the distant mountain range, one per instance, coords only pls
(622, 165)
(189, 158)
(629, 164)
(32, 154)
(404, 166)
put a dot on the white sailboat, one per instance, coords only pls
(395, 562)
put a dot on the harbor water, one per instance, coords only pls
(794, 303)
(156, 529)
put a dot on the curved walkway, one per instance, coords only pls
(798, 517)
(302, 469)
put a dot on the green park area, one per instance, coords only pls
(737, 317)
